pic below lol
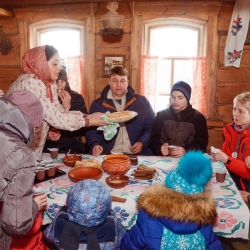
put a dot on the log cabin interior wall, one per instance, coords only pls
(223, 82)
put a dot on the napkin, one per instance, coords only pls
(214, 150)
(110, 130)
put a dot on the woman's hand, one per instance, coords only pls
(95, 119)
(66, 99)
(164, 149)
(137, 148)
(220, 156)
(54, 134)
(97, 150)
(178, 152)
(41, 201)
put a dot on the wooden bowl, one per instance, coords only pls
(79, 174)
(70, 160)
(117, 181)
(116, 164)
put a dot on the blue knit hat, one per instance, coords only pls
(88, 203)
(193, 172)
(184, 88)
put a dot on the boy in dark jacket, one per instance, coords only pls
(179, 125)
(178, 215)
(63, 139)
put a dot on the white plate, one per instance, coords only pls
(131, 171)
(133, 114)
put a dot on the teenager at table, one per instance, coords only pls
(66, 140)
(236, 147)
(180, 125)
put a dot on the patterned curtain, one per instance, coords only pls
(76, 68)
(199, 85)
(148, 86)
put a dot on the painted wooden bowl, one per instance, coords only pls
(79, 174)
(116, 164)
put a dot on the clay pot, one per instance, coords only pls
(70, 160)
(133, 158)
(51, 171)
(40, 174)
(53, 152)
(116, 164)
(220, 175)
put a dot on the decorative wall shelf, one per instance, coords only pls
(5, 13)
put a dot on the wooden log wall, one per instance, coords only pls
(223, 82)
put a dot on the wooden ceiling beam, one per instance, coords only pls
(5, 13)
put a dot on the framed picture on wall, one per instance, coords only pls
(109, 61)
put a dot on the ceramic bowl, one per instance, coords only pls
(79, 174)
(117, 181)
(70, 160)
(116, 164)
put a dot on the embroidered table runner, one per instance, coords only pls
(233, 214)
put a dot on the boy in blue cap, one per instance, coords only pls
(84, 222)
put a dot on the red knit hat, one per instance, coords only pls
(29, 104)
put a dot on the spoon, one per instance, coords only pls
(66, 156)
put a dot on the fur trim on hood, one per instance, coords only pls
(162, 202)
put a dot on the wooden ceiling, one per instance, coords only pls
(10, 4)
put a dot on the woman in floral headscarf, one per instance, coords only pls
(41, 67)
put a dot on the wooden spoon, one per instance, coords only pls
(118, 199)
(66, 156)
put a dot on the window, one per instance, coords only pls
(66, 37)
(175, 42)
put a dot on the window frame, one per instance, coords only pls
(181, 22)
(37, 28)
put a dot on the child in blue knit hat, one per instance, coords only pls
(84, 222)
(179, 214)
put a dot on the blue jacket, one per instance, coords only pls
(161, 207)
(139, 128)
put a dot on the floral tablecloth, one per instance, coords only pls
(233, 214)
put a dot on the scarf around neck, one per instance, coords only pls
(34, 62)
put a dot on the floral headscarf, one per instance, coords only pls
(34, 62)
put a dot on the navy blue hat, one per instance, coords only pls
(184, 88)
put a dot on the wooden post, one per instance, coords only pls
(23, 37)
(135, 53)
(90, 61)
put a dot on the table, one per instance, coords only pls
(232, 213)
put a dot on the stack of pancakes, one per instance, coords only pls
(144, 173)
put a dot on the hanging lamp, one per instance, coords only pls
(111, 21)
